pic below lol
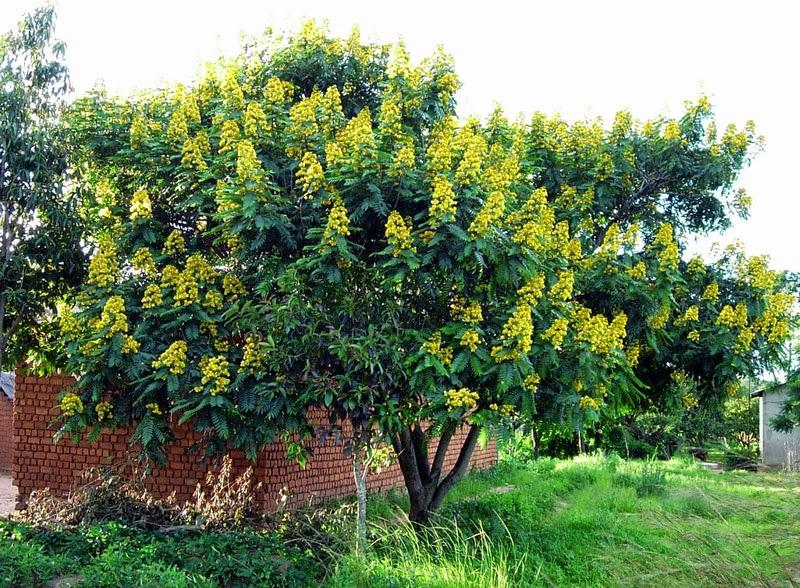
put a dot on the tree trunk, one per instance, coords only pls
(424, 481)
(360, 475)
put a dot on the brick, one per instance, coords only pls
(28, 451)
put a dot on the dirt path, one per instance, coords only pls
(8, 494)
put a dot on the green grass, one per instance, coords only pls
(585, 522)
(597, 522)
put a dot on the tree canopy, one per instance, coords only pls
(40, 254)
(311, 226)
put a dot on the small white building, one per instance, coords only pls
(777, 448)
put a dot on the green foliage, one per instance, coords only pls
(116, 555)
(40, 234)
(585, 522)
(309, 226)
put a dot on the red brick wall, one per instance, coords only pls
(6, 432)
(39, 463)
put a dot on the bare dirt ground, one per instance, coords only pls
(8, 494)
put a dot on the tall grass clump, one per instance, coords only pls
(442, 555)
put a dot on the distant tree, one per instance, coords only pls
(40, 251)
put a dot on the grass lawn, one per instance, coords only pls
(584, 522)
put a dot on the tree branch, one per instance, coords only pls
(458, 471)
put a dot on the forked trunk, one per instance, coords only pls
(426, 482)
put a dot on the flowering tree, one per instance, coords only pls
(310, 226)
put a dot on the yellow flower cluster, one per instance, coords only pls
(516, 335)
(503, 409)
(470, 339)
(152, 296)
(475, 150)
(491, 212)
(744, 340)
(572, 250)
(595, 330)
(255, 120)
(556, 333)
(233, 287)
(672, 131)
(669, 256)
(588, 402)
(103, 410)
(175, 243)
(192, 155)
(187, 103)
(232, 91)
(756, 272)
(631, 235)
(692, 315)
(562, 289)
(277, 91)
(169, 276)
(254, 355)
(248, 166)
(531, 292)
(213, 300)
(153, 407)
(535, 222)
(338, 224)
(138, 132)
(468, 312)
(696, 266)
(140, 206)
(711, 293)
(113, 316)
(660, 318)
(398, 233)
(632, 352)
(390, 118)
(501, 172)
(104, 266)
(173, 358)
(177, 130)
(440, 149)
(71, 404)
(216, 373)
(689, 400)
(693, 335)
(142, 260)
(333, 153)
(731, 317)
(774, 322)
(443, 202)
(130, 345)
(310, 176)
(404, 158)
(200, 268)
(186, 289)
(442, 353)
(461, 398)
(357, 137)
(611, 242)
(68, 324)
(531, 382)
(229, 136)
(734, 140)
(638, 271)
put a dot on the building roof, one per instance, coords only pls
(7, 384)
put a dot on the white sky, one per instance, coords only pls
(581, 59)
